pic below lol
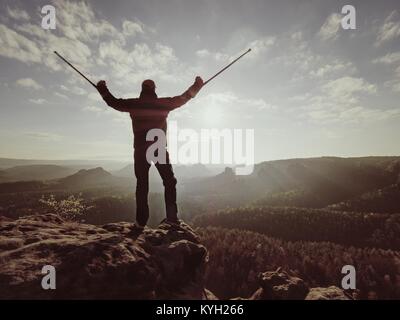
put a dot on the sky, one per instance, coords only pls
(308, 88)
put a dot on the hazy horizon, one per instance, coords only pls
(210, 164)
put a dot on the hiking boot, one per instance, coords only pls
(173, 223)
(136, 230)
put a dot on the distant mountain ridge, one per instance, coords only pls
(83, 179)
(91, 177)
(308, 182)
(6, 163)
(35, 172)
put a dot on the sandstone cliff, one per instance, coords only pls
(108, 262)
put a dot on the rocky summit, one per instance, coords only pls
(100, 262)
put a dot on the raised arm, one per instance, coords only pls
(124, 105)
(178, 101)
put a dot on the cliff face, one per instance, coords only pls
(108, 262)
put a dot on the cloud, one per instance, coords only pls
(301, 97)
(351, 115)
(113, 51)
(103, 110)
(147, 62)
(335, 94)
(93, 44)
(297, 36)
(300, 65)
(330, 28)
(60, 95)
(97, 29)
(393, 60)
(361, 114)
(394, 84)
(78, 21)
(38, 101)
(390, 29)
(115, 116)
(94, 109)
(389, 58)
(74, 89)
(95, 96)
(43, 135)
(332, 68)
(260, 46)
(28, 83)
(296, 59)
(17, 14)
(78, 29)
(16, 46)
(72, 17)
(232, 102)
(73, 50)
(130, 28)
(78, 91)
(346, 87)
(203, 53)
(339, 102)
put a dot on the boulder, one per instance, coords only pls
(329, 293)
(279, 285)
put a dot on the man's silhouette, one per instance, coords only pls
(150, 112)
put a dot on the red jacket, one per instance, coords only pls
(148, 112)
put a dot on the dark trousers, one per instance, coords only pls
(142, 185)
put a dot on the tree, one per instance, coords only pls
(71, 208)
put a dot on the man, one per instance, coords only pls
(150, 112)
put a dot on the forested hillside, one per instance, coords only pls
(300, 224)
(237, 256)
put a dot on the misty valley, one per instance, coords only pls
(309, 217)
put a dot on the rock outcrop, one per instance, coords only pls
(329, 293)
(100, 262)
(279, 285)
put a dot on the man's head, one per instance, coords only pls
(148, 85)
(148, 89)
